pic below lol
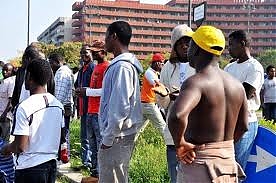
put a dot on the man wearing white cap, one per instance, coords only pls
(172, 75)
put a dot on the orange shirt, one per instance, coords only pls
(95, 83)
(147, 94)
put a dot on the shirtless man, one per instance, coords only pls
(211, 112)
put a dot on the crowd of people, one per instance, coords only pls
(206, 115)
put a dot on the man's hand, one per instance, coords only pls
(4, 151)
(186, 152)
(105, 147)
(160, 89)
(80, 92)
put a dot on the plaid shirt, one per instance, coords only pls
(64, 85)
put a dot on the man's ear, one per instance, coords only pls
(243, 43)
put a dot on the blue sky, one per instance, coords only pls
(13, 13)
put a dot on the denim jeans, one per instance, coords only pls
(245, 143)
(85, 149)
(270, 111)
(67, 132)
(172, 162)
(43, 173)
(94, 138)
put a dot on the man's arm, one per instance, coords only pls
(178, 119)
(249, 90)
(242, 122)
(19, 145)
(184, 104)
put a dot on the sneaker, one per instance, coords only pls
(89, 180)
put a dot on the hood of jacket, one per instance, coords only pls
(131, 58)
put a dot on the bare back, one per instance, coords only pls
(221, 104)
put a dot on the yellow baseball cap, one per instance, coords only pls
(209, 39)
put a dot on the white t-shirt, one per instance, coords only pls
(269, 89)
(44, 131)
(251, 72)
(6, 90)
(151, 76)
(185, 71)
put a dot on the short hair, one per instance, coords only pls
(58, 58)
(40, 71)
(123, 31)
(240, 35)
(269, 67)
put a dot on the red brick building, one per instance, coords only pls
(152, 24)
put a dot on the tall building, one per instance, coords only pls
(58, 32)
(152, 24)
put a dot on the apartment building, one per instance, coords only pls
(152, 23)
(58, 32)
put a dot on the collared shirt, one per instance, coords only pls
(64, 85)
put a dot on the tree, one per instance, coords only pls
(267, 58)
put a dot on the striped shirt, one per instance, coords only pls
(7, 165)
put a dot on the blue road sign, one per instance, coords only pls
(261, 165)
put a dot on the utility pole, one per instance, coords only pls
(190, 13)
(28, 31)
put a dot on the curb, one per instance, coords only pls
(64, 170)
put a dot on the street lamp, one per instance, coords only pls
(250, 6)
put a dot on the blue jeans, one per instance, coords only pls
(172, 162)
(67, 132)
(94, 138)
(43, 173)
(85, 149)
(244, 145)
(270, 111)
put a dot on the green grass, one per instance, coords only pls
(148, 163)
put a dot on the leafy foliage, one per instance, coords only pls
(267, 58)
(269, 124)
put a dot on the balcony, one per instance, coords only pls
(76, 15)
(77, 6)
(77, 31)
(76, 23)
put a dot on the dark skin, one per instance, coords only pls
(86, 55)
(7, 72)
(211, 108)
(21, 142)
(99, 56)
(239, 50)
(181, 48)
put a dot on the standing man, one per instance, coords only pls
(6, 90)
(63, 91)
(94, 93)
(83, 80)
(268, 94)
(37, 128)
(120, 109)
(20, 93)
(150, 109)
(250, 73)
(208, 114)
(172, 75)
